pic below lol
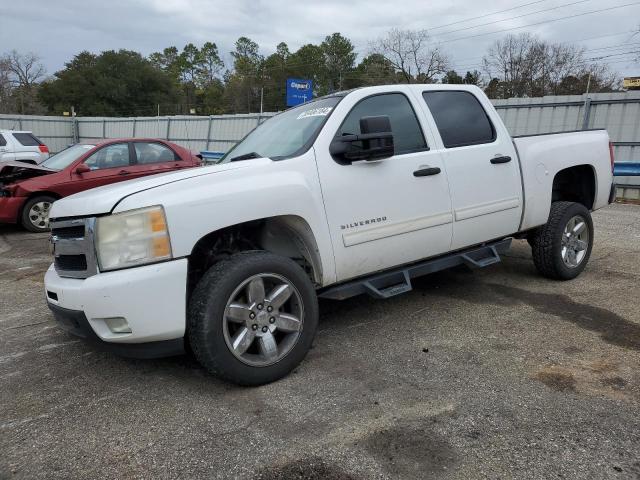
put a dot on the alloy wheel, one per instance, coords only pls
(575, 241)
(263, 319)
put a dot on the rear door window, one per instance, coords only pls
(111, 156)
(147, 152)
(27, 139)
(3, 141)
(460, 118)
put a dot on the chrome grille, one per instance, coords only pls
(72, 247)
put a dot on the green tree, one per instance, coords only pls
(243, 85)
(473, 78)
(210, 63)
(307, 63)
(470, 78)
(452, 77)
(112, 83)
(168, 61)
(339, 61)
(276, 70)
(374, 69)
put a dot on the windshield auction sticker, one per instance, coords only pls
(315, 112)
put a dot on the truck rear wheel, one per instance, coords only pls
(561, 248)
(252, 317)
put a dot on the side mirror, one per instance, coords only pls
(374, 143)
(82, 168)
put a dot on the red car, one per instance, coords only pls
(27, 191)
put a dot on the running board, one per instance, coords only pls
(394, 282)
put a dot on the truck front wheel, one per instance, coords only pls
(252, 317)
(561, 248)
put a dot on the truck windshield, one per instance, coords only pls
(66, 157)
(285, 134)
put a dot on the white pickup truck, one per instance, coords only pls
(356, 192)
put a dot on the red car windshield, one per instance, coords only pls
(66, 157)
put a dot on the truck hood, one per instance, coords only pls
(13, 172)
(102, 200)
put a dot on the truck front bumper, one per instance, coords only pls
(150, 301)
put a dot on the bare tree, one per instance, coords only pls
(525, 66)
(411, 54)
(20, 74)
(26, 68)
(5, 87)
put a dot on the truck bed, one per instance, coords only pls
(542, 156)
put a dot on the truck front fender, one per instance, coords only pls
(198, 206)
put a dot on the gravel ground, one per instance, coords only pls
(494, 373)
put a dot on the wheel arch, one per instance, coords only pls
(32, 195)
(287, 235)
(575, 184)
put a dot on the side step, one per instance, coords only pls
(394, 282)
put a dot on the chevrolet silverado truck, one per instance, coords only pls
(356, 192)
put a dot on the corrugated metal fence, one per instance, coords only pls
(619, 113)
(215, 132)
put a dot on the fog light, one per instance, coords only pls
(118, 325)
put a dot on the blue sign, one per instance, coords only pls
(298, 91)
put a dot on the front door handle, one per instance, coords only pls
(123, 172)
(426, 171)
(504, 159)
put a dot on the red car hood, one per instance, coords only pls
(11, 172)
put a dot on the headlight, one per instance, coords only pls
(136, 237)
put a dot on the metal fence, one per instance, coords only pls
(619, 113)
(56, 132)
(215, 132)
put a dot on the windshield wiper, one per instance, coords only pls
(246, 156)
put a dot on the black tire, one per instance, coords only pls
(35, 225)
(531, 239)
(546, 244)
(207, 309)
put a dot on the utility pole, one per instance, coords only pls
(588, 83)
(158, 123)
(261, 99)
(74, 125)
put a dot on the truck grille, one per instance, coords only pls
(72, 247)
(71, 262)
(68, 232)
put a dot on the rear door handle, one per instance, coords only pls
(426, 171)
(504, 159)
(123, 172)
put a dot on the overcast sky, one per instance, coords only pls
(58, 29)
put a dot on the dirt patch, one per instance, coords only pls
(308, 469)
(597, 377)
(411, 450)
(617, 383)
(557, 380)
